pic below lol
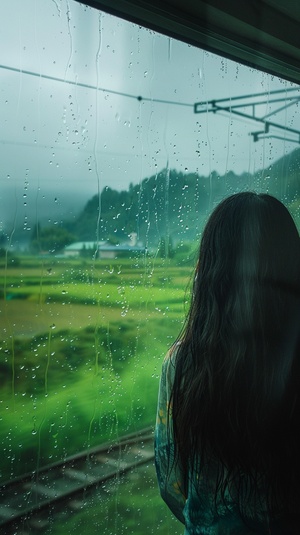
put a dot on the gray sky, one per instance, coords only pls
(58, 137)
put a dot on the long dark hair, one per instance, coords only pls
(235, 398)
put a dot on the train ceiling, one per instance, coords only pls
(263, 34)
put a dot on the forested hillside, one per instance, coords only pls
(168, 207)
(175, 204)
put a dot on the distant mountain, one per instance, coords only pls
(283, 177)
(157, 206)
(170, 204)
(175, 204)
(20, 212)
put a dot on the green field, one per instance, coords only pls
(81, 350)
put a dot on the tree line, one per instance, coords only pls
(166, 208)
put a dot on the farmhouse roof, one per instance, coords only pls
(121, 248)
(79, 245)
(102, 246)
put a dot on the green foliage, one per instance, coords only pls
(165, 248)
(113, 240)
(8, 259)
(171, 203)
(88, 252)
(94, 371)
(118, 211)
(69, 352)
(148, 208)
(51, 239)
(68, 391)
(186, 253)
(282, 178)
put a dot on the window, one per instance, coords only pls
(107, 177)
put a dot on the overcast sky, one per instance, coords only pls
(58, 136)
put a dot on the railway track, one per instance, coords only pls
(24, 498)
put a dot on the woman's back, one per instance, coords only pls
(233, 393)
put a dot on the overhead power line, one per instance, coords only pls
(230, 105)
(94, 87)
(233, 107)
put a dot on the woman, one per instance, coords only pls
(227, 445)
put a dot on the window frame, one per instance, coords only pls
(262, 34)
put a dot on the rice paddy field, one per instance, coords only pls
(81, 347)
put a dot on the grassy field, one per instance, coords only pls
(81, 350)
(81, 347)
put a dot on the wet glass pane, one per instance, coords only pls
(116, 144)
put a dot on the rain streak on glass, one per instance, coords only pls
(107, 178)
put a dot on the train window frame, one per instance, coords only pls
(210, 44)
(261, 35)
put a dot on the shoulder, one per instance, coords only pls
(169, 364)
(171, 356)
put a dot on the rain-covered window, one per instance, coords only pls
(116, 143)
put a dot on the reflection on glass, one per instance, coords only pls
(107, 177)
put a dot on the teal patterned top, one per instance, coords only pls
(196, 510)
